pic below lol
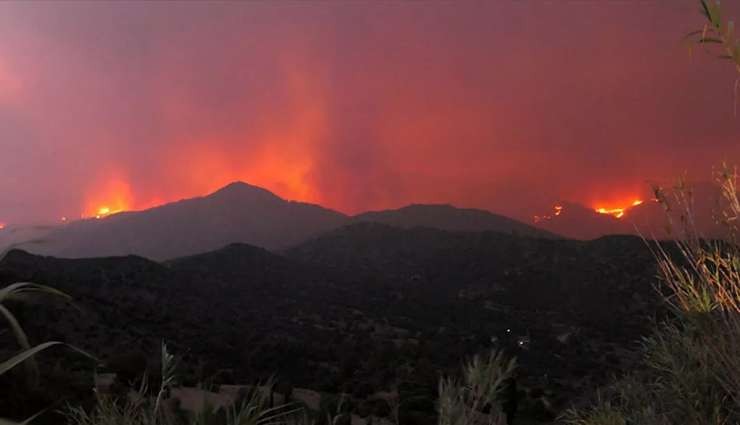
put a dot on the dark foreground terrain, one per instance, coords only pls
(362, 309)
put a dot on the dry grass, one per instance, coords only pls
(474, 400)
(693, 361)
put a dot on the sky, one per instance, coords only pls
(507, 106)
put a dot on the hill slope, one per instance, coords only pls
(241, 213)
(448, 217)
(237, 213)
(525, 273)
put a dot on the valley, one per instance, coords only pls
(361, 309)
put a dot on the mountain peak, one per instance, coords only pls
(421, 207)
(240, 189)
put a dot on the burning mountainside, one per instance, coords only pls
(637, 216)
(110, 197)
(556, 211)
(580, 222)
(613, 211)
(106, 211)
(618, 212)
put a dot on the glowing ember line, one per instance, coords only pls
(105, 212)
(618, 212)
(557, 210)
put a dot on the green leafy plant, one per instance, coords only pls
(718, 37)
(21, 291)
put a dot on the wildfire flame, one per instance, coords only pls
(618, 212)
(556, 211)
(106, 211)
(107, 197)
(2, 226)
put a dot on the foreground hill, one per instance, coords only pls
(237, 213)
(364, 308)
(240, 213)
(535, 274)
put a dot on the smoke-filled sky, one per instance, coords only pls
(500, 105)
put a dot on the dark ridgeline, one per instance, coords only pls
(236, 213)
(448, 217)
(242, 213)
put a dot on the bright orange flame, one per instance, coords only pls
(557, 210)
(616, 212)
(620, 211)
(2, 226)
(111, 197)
(105, 211)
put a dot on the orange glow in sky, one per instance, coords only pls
(105, 211)
(410, 103)
(108, 197)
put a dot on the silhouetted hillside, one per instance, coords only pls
(527, 273)
(237, 213)
(448, 217)
(241, 213)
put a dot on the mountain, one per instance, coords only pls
(649, 219)
(236, 213)
(241, 213)
(579, 222)
(448, 217)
